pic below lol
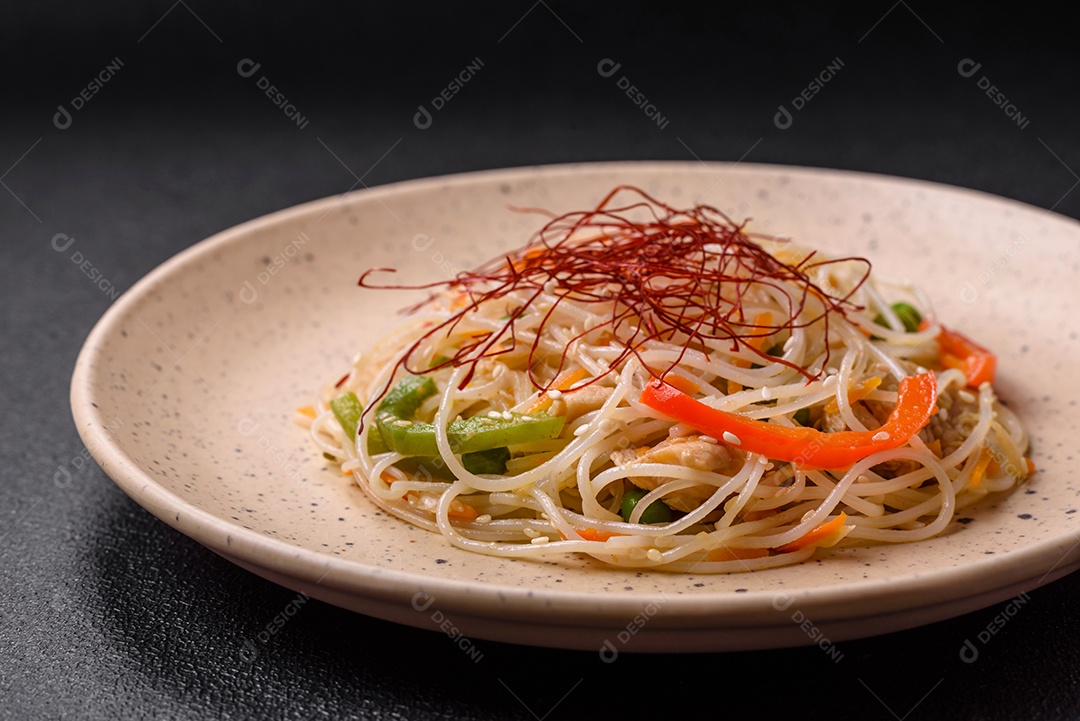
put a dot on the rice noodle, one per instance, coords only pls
(733, 515)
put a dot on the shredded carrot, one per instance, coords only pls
(563, 382)
(1030, 466)
(308, 411)
(868, 387)
(527, 256)
(462, 510)
(816, 535)
(736, 554)
(934, 447)
(855, 394)
(762, 320)
(460, 301)
(591, 534)
(980, 467)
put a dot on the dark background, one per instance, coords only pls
(106, 612)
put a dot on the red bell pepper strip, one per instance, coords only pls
(959, 351)
(807, 447)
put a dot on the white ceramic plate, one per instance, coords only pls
(185, 390)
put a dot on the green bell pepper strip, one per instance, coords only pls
(348, 409)
(433, 468)
(405, 398)
(481, 453)
(469, 435)
(492, 461)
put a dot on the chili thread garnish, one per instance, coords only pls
(667, 274)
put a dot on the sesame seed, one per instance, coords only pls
(581, 430)
(732, 438)
(709, 439)
(554, 394)
(507, 416)
(920, 370)
(943, 414)
(766, 393)
(401, 423)
(485, 518)
(880, 436)
(966, 396)
(830, 381)
(654, 555)
(831, 370)
(550, 286)
(530, 532)
(539, 540)
(862, 479)
(494, 414)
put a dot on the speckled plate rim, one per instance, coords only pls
(992, 578)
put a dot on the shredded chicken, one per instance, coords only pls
(579, 402)
(834, 422)
(690, 451)
(960, 418)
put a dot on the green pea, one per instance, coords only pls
(657, 512)
(907, 314)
